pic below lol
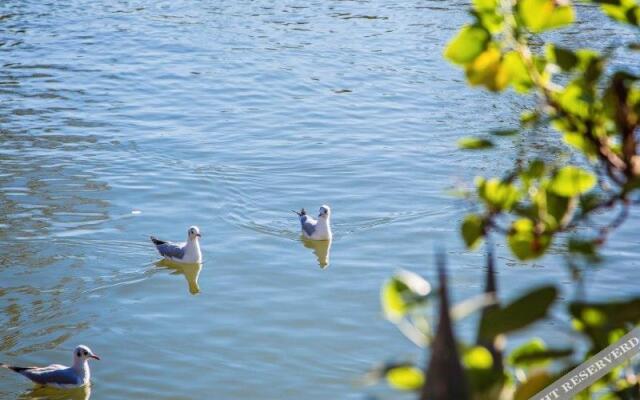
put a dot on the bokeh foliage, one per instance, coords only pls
(596, 114)
(595, 110)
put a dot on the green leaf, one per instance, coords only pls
(626, 11)
(534, 384)
(542, 15)
(590, 63)
(564, 58)
(403, 292)
(488, 70)
(478, 365)
(580, 142)
(477, 357)
(615, 314)
(524, 242)
(520, 313)
(468, 44)
(556, 210)
(602, 321)
(488, 15)
(585, 248)
(405, 378)
(528, 118)
(496, 194)
(590, 201)
(518, 73)
(505, 132)
(534, 171)
(485, 5)
(572, 181)
(472, 230)
(577, 99)
(536, 353)
(474, 143)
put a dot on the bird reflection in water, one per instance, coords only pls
(321, 248)
(50, 393)
(191, 272)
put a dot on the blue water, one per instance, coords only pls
(123, 119)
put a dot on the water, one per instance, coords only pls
(130, 118)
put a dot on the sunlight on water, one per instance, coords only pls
(121, 120)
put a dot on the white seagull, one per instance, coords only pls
(188, 252)
(60, 376)
(319, 229)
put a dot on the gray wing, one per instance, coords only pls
(45, 376)
(168, 249)
(308, 224)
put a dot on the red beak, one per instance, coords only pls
(95, 357)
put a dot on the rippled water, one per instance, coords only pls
(122, 119)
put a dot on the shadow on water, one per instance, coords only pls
(48, 393)
(321, 249)
(190, 271)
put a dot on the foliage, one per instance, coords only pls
(596, 113)
(479, 370)
(595, 110)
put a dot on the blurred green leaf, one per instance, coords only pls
(472, 230)
(488, 70)
(589, 201)
(612, 314)
(477, 357)
(576, 99)
(564, 58)
(556, 210)
(485, 5)
(518, 73)
(580, 142)
(536, 353)
(599, 321)
(520, 313)
(625, 11)
(585, 248)
(534, 384)
(572, 181)
(478, 365)
(505, 132)
(403, 292)
(524, 242)
(496, 194)
(488, 15)
(468, 44)
(474, 143)
(591, 63)
(405, 378)
(529, 118)
(535, 170)
(542, 15)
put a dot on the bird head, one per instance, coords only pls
(83, 353)
(193, 233)
(324, 212)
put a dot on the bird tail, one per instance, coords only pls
(156, 241)
(300, 213)
(11, 367)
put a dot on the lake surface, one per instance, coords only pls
(123, 119)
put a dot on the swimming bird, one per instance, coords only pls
(319, 229)
(57, 375)
(188, 252)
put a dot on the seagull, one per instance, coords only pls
(316, 230)
(181, 252)
(57, 375)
